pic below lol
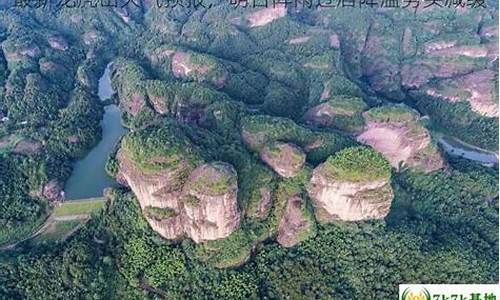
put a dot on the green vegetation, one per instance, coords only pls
(347, 113)
(392, 113)
(347, 105)
(205, 69)
(159, 147)
(258, 130)
(458, 120)
(429, 236)
(20, 212)
(56, 232)
(251, 90)
(78, 207)
(357, 164)
(275, 151)
(215, 179)
(190, 200)
(159, 213)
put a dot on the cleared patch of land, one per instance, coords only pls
(78, 207)
(66, 218)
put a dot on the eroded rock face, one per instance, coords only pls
(284, 158)
(349, 201)
(57, 43)
(185, 65)
(477, 88)
(214, 213)
(266, 15)
(293, 223)
(265, 203)
(402, 141)
(204, 207)
(426, 59)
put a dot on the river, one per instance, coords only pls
(89, 177)
(454, 147)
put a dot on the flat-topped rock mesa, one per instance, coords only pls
(177, 198)
(58, 43)
(397, 133)
(284, 158)
(340, 112)
(352, 185)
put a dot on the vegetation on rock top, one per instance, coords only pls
(357, 164)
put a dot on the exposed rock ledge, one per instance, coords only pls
(293, 225)
(396, 132)
(204, 207)
(284, 158)
(337, 196)
(267, 15)
(349, 201)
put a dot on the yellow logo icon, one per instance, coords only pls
(415, 294)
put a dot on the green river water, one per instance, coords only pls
(89, 177)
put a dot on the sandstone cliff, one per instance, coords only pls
(293, 226)
(178, 199)
(285, 159)
(396, 132)
(353, 185)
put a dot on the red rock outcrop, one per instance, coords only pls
(202, 207)
(284, 158)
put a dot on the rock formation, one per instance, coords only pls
(210, 202)
(198, 67)
(53, 190)
(266, 15)
(178, 199)
(341, 112)
(353, 185)
(396, 132)
(284, 158)
(293, 225)
(262, 209)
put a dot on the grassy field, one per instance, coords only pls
(63, 221)
(78, 207)
(67, 217)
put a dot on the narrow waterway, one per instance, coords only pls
(456, 148)
(89, 177)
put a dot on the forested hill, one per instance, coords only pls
(271, 153)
